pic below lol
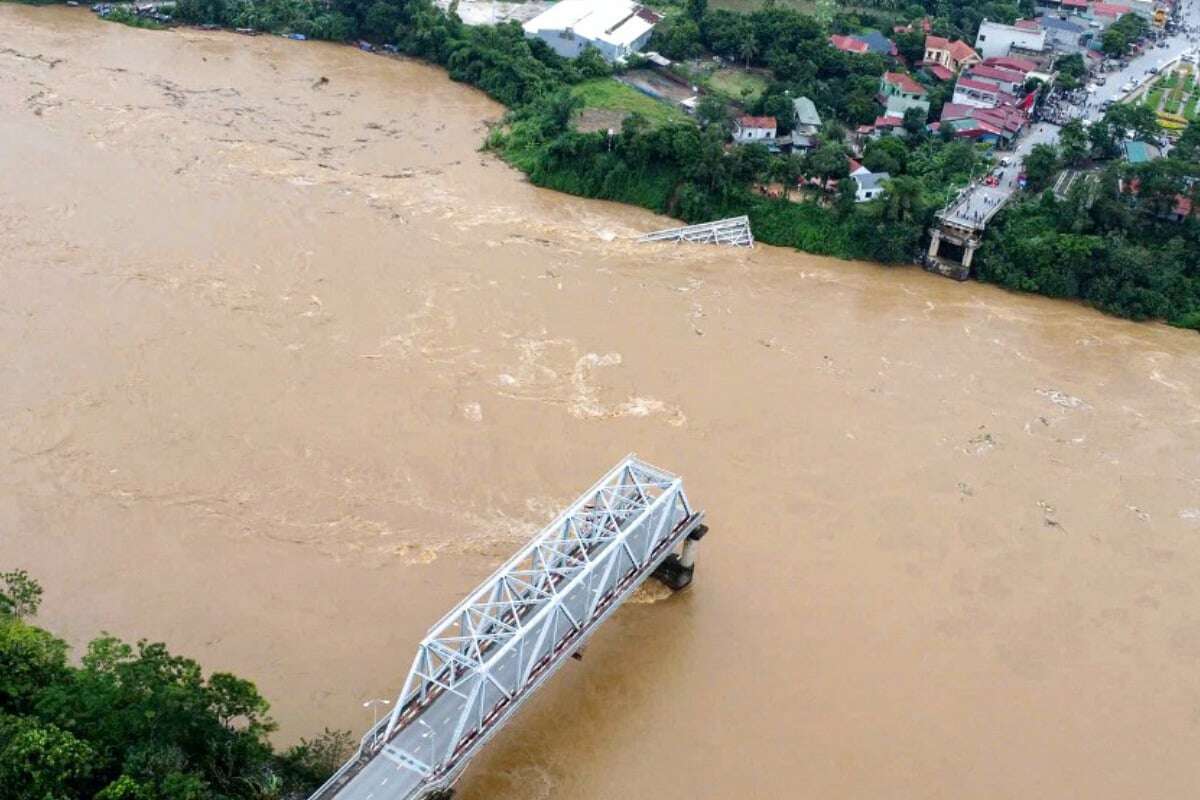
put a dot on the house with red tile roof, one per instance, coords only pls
(849, 44)
(953, 55)
(899, 92)
(993, 125)
(1106, 13)
(938, 71)
(1008, 80)
(748, 129)
(1022, 65)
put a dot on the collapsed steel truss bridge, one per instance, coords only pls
(481, 661)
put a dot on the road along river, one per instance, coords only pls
(287, 365)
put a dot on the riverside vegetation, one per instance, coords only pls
(134, 722)
(1118, 252)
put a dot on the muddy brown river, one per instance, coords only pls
(287, 365)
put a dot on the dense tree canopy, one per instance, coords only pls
(134, 722)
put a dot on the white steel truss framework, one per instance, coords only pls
(734, 231)
(479, 662)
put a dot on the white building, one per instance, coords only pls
(617, 28)
(869, 185)
(754, 129)
(995, 39)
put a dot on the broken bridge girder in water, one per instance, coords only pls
(734, 231)
(481, 661)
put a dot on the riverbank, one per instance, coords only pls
(1138, 263)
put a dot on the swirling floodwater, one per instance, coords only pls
(287, 365)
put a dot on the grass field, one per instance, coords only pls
(733, 82)
(804, 6)
(607, 94)
(807, 6)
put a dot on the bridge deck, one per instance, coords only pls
(492, 651)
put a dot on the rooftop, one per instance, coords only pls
(618, 22)
(903, 82)
(849, 44)
(996, 73)
(939, 72)
(806, 112)
(878, 43)
(961, 51)
(1061, 24)
(981, 86)
(748, 121)
(871, 180)
(1022, 65)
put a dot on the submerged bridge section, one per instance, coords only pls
(480, 662)
(734, 231)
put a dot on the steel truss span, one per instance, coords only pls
(734, 232)
(481, 661)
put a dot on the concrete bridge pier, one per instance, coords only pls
(676, 570)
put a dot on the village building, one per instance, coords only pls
(1065, 35)
(849, 44)
(878, 43)
(868, 185)
(747, 129)
(1006, 80)
(979, 93)
(996, 126)
(899, 92)
(888, 125)
(616, 28)
(1106, 14)
(1023, 65)
(1143, 8)
(949, 55)
(806, 121)
(997, 39)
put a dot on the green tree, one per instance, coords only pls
(20, 595)
(846, 199)
(1071, 71)
(678, 38)
(748, 48)
(1040, 166)
(914, 122)
(829, 161)
(711, 111)
(696, 9)
(1073, 142)
(1188, 146)
(40, 761)
(903, 199)
(1114, 43)
(31, 661)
